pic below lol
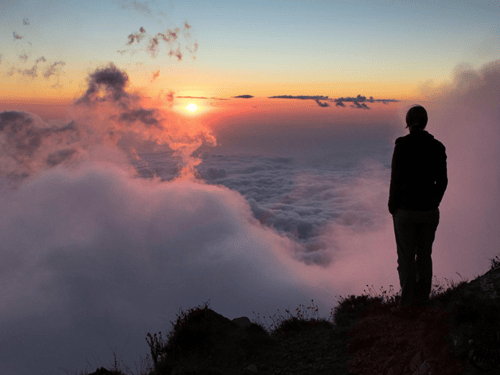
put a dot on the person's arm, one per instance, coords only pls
(442, 176)
(394, 186)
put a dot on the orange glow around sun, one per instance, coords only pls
(191, 107)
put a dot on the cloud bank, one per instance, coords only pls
(359, 102)
(465, 118)
(119, 256)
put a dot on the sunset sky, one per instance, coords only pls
(379, 48)
(120, 206)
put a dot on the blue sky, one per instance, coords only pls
(260, 42)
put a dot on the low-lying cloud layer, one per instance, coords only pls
(115, 258)
(94, 257)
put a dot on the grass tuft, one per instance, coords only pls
(495, 263)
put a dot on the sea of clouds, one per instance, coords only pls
(101, 243)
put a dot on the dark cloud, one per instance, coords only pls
(136, 37)
(316, 98)
(146, 116)
(33, 71)
(16, 36)
(58, 157)
(53, 69)
(111, 80)
(170, 38)
(177, 53)
(358, 105)
(301, 97)
(200, 97)
(322, 104)
(359, 102)
(155, 75)
(22, 138)
(169, 96)
(243, 97)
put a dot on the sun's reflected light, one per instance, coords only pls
(191, 107)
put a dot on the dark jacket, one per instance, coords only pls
(418, 173)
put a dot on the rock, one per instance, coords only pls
(242, 322)
(250, 370)
(424, 369)
(103, 371)
(218, 341)
(416, 361)
(397, 369)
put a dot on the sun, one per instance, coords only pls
(191, 107)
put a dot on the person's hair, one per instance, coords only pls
(417, 117)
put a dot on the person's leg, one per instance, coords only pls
(406, 239)
(426, 235)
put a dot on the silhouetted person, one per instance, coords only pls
(418, 182)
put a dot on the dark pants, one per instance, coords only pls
(415, 232)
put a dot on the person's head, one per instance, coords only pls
(416, 118)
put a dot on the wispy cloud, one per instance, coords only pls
(24, 57)
(322, 104)
(155, 75)
(300, 97)
(316, 98)
(359, 102)
(171, 38)
(138, 6)
(136, 37)
(53, 69)
(200, 97)
(243, 97)
(26, 21)
(16, 36)
(33, 71)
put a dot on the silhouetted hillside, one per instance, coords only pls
(366, 334)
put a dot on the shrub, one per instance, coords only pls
(182, 335)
